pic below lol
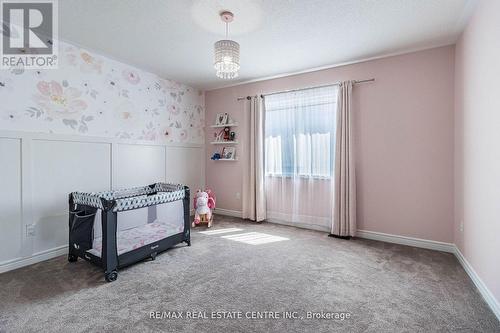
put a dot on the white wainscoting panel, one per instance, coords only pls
(184, 166)
(137, 165)
(38, 171)
(60, 167)
(11, 229)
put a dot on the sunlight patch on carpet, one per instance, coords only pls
(220, 231)
(255, 238)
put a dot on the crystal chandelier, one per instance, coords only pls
(226, 53)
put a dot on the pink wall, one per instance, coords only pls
(477, 149)
(404, 140)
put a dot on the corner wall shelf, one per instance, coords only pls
(226, 159)
(224, 142)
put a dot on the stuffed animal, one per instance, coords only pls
(203, 203)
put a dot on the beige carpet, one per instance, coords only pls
(383, 288)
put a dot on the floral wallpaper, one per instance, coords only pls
(93, 95)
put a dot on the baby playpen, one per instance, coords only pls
(117, 228)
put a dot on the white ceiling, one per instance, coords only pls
(174, 38)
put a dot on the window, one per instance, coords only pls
(300, 132)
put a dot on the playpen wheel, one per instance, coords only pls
(72, 258)
(153, 256)
(193, 224)
(112, 276)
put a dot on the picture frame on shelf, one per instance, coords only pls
(218, 118)
(221, 119)
(228, 153)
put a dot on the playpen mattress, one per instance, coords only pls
(131, 239)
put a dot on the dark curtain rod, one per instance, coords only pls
(292, 90)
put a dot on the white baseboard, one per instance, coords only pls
(228, 212)
(480, 285)
(410, 241)
(439, 246)
(35, 258)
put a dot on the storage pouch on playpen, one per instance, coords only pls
(81, 226)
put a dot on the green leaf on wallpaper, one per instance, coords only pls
(93, 94)
(17, 70)
(123, 135)
(88, 118)
(124, 93)
(65, 84)
(83, 128)
(34, 112)
(178, 124)
(70, 122)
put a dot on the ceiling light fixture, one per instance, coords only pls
(226, 53)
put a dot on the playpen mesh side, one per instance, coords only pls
(132, 198)
(140, 227)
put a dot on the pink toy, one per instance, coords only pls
(204, 203)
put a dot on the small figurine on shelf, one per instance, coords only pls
(226, 133)
(215, 156)
(219, 136)
(232, 136)
(204, 203)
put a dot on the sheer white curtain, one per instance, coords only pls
(299, 156)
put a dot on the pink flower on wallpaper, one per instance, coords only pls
(59, 101)
(183, 135)
(131, 76)
(174, 109)
(87, 62)
(126, 118)
(90, 63)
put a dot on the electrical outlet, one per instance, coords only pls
(238, 195)
(30, 230)
(461, 225)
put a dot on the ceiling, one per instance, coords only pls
(174, 38)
